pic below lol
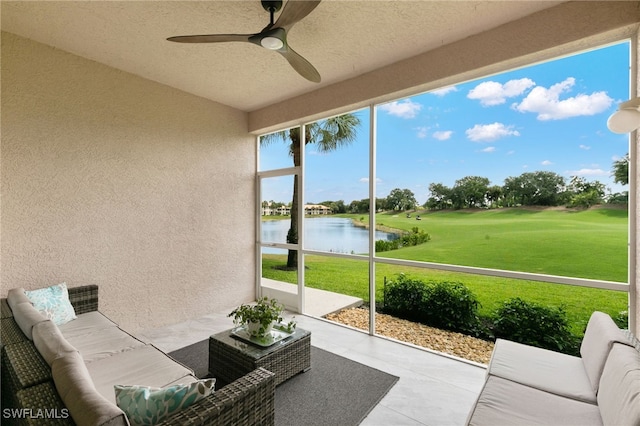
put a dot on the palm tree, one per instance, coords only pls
(328, 135)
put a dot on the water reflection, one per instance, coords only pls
(331, 234)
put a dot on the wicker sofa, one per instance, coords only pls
(36, 390)
(529, 385)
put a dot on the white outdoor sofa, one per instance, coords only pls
(526, 385)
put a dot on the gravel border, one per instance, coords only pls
(452, 343)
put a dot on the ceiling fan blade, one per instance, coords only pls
(300, 64)
(294, 11)
(210, 38)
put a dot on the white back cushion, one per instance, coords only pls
(600, 335)
(619, 395)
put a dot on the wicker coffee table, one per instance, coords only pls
(231, 357)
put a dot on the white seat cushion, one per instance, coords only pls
(103, 343)
(145, 366)
(86, 323)
(85, 404)
(542, 369)
(503, 402)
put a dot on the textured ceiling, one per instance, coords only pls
(342, 39)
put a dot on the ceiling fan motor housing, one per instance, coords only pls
(272, 5)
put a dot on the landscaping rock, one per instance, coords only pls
(452, 343)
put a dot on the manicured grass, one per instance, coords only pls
(588, 244)
(585, 244)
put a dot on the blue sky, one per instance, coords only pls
(551, 116)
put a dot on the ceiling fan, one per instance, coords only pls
(272, 37)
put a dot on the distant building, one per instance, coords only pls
(316, 209)
(309, 209)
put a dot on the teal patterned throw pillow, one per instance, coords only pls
(53, 302)
(145, 405)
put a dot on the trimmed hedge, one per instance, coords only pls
(452, 306)
(445, 305)
(533, 324)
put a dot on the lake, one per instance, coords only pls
(332, 234)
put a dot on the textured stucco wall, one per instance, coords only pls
(111, 179)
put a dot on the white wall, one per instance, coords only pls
(111, 179)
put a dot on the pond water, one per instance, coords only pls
(332, 234)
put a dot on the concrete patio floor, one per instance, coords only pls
(433, 389)
(318, 303)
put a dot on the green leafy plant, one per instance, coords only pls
(403, 297)
(450, 306)
(265, 312)
(533, 324)
(441, 304)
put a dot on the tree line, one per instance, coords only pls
(540, 188)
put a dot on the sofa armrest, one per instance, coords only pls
(5, 309)
(248, 401)
(84, 299)
(23, 366)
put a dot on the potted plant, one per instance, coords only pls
(259, 318)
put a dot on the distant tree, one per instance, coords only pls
(470, 191)
(621, 170)
(585, 194)
(440, 197)
(494, 195)
(328, 135)
(541, 188)
(335, 206)
(401, 200)
(359, 206)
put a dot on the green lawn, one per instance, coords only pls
(587, 244)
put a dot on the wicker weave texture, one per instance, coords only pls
(5, 309)
(248, 401)
(28, 366)
(228, 363)
(10, 332)
(46, 407)
(84, 299)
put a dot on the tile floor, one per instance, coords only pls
(433, 389)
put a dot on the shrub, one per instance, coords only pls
(450, 306)
(622, 319)
(445, 305)
(532, 324)
(387, 245)
(403, 297)
(407, 239)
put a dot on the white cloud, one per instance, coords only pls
(588, 172)
(489, 149)
(490, 132)
(585, 147)
(366, 180)
(402, 109)
(511, 152)
(444, 91)
(548, 105)
(422, 132)
(546, 163)
(443, 135)
(491, 93)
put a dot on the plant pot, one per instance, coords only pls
(254, 329)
